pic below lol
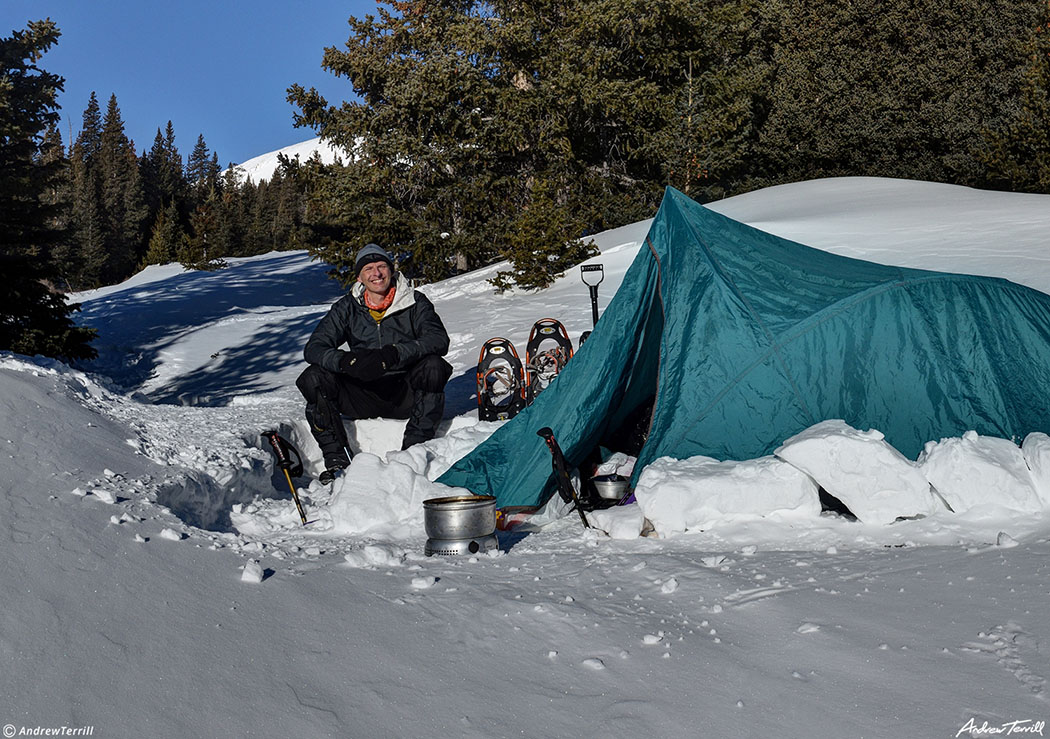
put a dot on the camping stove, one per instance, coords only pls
(452, 547)
(464, 524)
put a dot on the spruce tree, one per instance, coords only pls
(202, 171)
(123, 198)
(166, 237)
(470, 111)
(905, 88)
(198, 250)
(164, 181)
(34, 317)
(1018, 153)
(87, 217)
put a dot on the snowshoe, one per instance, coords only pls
(501, 381)
(548, 351)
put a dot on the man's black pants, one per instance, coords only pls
(418, 395)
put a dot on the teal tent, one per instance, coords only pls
(744, 339)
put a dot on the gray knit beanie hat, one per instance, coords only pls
(372, 253)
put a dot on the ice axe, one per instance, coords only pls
(283, 449)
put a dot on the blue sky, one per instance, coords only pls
(218, 68)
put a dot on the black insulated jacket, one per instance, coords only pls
(411, 324)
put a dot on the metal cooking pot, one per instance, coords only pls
(460, 516)
(610, 487)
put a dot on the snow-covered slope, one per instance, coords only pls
(262, 167)
(156, 580)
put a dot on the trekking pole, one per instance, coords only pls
(585, 270)
(561, 473)
(282, 448)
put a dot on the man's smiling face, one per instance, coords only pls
(376, 277)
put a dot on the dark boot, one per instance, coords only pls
(322, 413)
(427, 380)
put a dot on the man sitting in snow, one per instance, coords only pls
(393, 366)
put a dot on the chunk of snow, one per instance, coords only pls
(619, 522)
(875, 481)
(1005, 541)
(697, 493)
(106, 496)
(375, 555)
(979, 470)
(252, 572)
(171, 534)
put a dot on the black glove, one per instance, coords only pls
(361, 365)
(368, 364)
(390, 356)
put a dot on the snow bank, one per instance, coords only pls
(620, 522)
(975, 471)
(385, 497)
(1036, 451)
(875, 481)
(696, 493)
(382, 498)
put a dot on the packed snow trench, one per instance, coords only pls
(157, 580)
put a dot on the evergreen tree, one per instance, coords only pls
(90, 138)
(202, 171)
(899, 89)
(123, 199)
(164, 180)
(88, 258)
(471, 110)
(166, 237)
(544, 239)
(197, 250)
(34, 317)
(1018, 153)
(232, 218)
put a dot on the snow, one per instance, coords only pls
(874, 481)
(261, 168)
(157, 580)
(964, 470)
(700, 492)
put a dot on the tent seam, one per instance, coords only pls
(660, 354)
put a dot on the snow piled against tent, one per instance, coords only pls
(205, 475)
(874, 481)
(381, 495)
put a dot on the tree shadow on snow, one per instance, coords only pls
(137, 324)
(244, 369)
